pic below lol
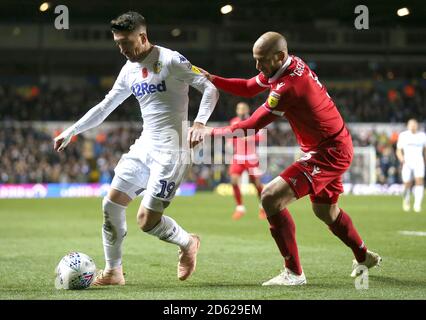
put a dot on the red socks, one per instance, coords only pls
(283, 230)
(345, 231)
(237, 194)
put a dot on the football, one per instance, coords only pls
(75, 271)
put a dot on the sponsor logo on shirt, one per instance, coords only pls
(273, 99)
(195, 70)
(315, 171)
(279, 85)
(143, 88)
(183, 60)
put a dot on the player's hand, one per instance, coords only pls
(206, 74)
(61, 141)
(197, 133)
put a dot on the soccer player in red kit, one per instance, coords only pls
(244, 158)
(296, 94)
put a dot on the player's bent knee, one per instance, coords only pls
(235, 179)
(146, 221)
(326, 212)
(141, 218)
(110, 207)
(154, 204)
(150, 212)
(277, 196)
(119, 197)
(270, 200)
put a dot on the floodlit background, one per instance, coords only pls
(49, 78)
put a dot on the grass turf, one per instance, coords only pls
(234, 259)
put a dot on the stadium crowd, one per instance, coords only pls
(368, 101)
(27, 155)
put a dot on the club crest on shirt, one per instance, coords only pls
(158, 65)
(273, 99)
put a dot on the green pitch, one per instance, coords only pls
(234, 259)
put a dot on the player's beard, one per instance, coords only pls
(272, 73)
(140, 54)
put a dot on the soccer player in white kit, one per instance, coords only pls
(159, 160)
(411, 152)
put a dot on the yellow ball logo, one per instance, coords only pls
(273, 99)
(196, 70)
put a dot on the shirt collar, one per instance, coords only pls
(149, 56)
(281, 70)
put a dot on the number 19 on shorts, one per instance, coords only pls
(167, 189)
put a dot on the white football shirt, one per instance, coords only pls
(412, 145)
(160, 84)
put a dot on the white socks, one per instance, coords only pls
(418, 196)
(241, 208)
(406, 195)
(114, 230)
(168, 230)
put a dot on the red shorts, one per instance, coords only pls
(238, 168)
(319, 173)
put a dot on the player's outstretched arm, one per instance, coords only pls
(184, 71)
(424, 153)
(97, 114)
(258, 120)
(239, 87)
(91, 119)
(400, 155)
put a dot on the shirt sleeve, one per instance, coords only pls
(258, 120)
(242, 87)
(96, 115)
(275, 101)
(400, 142)
(183, 70)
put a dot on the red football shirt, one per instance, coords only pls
(296, 94)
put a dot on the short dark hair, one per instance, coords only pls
(128, 21)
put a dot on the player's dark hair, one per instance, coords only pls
(128, 21)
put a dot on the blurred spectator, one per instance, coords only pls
(27, 156)
(369, 101)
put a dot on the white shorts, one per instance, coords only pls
(412, 170)
(157, 174)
